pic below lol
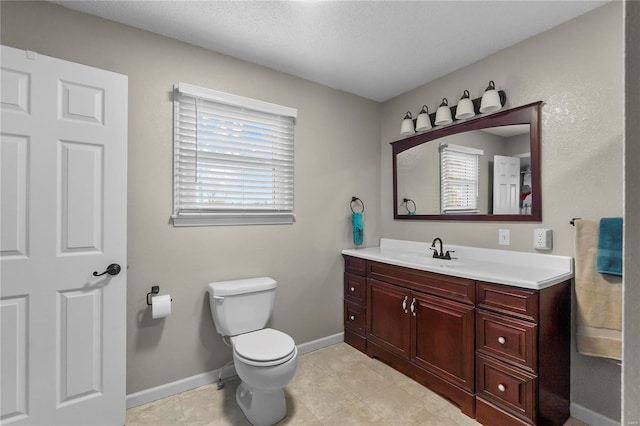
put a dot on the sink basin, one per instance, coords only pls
(428, 260)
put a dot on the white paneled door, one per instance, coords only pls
(63, 193)
(506, 185)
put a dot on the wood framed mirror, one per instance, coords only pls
(505, 180)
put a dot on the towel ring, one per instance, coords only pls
(353, 200)
(406, 202)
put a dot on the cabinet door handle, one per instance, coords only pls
(352, 317)
(352, 289)
(502, 340)
(501, 387)
(404, 304)
(413, 306)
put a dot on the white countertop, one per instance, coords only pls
(526, 270)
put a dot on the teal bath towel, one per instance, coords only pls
(609, 258)
(358, 228)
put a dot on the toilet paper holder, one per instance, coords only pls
(154, 290)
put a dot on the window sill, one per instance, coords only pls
(232, 219)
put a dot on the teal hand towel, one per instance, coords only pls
(358, 228)
(609, 258)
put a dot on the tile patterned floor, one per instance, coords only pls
(336, 385)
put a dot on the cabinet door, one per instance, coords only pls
(443, 342)
(388, 320)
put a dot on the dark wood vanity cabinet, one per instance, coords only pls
(499, 352)
(389, 322)
(434, 333)
(422, 324)
(355, 304)
(443, 337)
(522, 354)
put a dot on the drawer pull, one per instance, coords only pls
(404, 304)
(502, 340)
(352, 289)
(352, 317)
(501, 387)
(413, 306)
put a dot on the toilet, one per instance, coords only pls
(265, 359)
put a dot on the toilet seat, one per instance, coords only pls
(266, 347)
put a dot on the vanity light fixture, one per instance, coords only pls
(423, 122)
(490, 99)
(443, 114)
(465, 109)
(407, 125)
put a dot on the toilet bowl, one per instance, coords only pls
(265, 359)
(264, 375)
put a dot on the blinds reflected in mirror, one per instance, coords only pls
(459, 178)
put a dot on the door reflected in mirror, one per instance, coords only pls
(482, 169)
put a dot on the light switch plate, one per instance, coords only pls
(504, 237)
(542, 239)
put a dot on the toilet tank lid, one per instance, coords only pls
(248, 285)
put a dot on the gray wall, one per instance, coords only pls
(336, 156)
(577, 70)
(631, 320)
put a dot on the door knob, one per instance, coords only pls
(113, 269)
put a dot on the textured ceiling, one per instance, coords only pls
(375, 49)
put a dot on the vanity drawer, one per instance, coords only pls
(354, 317)
(506, 387)
(520, 302)
(355, 265)
(507, 338)
(454, 288)
(355, 287)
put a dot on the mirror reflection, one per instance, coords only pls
(486, 168)
(483, 171)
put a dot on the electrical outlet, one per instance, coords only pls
(542, 239)
(503, 237)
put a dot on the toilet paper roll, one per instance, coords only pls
(160, 306)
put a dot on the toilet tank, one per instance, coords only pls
(241, 306)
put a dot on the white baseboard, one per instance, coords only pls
(188, 383)
(590, 417)
(323, 342)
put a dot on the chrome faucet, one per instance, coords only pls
(441, 254)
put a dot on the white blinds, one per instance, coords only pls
(233, 159)
(459, 168)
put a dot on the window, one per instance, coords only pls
(233, 159)
(459, 176)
